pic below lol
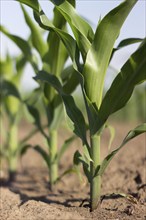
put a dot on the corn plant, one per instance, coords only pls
(52, 55)
(11, 112)
(96, 50)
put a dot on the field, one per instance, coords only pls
(48, 171)
(29, 197)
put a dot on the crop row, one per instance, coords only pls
(90, 53)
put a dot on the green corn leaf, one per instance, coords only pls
(9, 89)
(132, 73)
(126, 42)
(86, 154)
(36, 116)
(11, 97)
(68, 41)
(31, 3)
(21, 43)
(132, 134)
(66, 73)
(12, 107)
(98, 57)
(20, 65)
(72, 110)
(51, 79)
(81, 29)
(70, 79)
(43, 153)
(6, 68)
(36, 35)
(23, 149)
(79, 159)
(92, 110)
(57, 117)
(68, 171)
(64, 147)
(57, 53)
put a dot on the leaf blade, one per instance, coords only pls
(98, 57)
(36, 35)
(81, 29)
(72, 110)
(131, 74)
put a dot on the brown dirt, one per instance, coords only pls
(29, 197)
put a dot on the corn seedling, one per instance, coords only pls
(96, 50)
(53, 56)
(11, 112)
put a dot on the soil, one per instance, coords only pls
(29, 197)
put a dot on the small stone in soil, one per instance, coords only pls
(129, 210)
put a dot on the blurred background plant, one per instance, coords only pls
(11, 110)
(44, 104)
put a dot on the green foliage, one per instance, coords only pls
(55, 82)
(36, 35)
(11, 111)
(53, 55)
(21, 43)
(96, 50)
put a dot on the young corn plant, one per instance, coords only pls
(53, 60)
(53, 56)
(96, 50)
(11, 112)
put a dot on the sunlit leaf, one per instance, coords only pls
(132, 73)
(36, 35)
(98, 57)
(31, 3)
(81, 29)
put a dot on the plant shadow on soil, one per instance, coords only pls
(126, 174)
(28, 189)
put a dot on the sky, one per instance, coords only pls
(135, 26)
